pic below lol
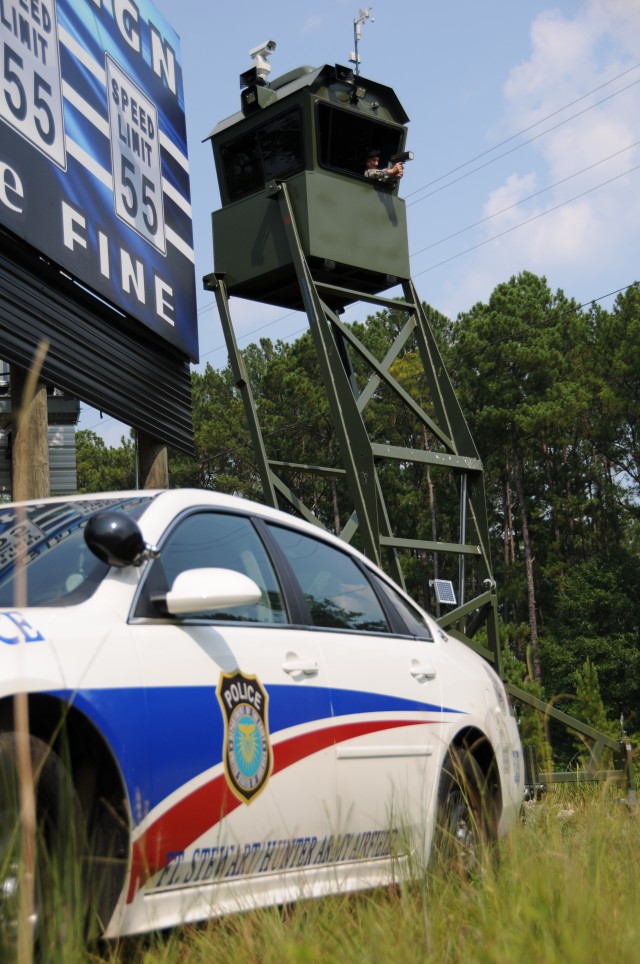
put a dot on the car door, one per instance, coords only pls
(237, 701)
(385, 696)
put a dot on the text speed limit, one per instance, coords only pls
(31, 98)
(135, 152)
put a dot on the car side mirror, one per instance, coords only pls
(203, 590)
(115, 538)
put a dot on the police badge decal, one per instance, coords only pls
(248, 759)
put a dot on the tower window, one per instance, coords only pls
(271, 151)
(346, 136)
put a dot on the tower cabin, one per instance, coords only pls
(311, 128)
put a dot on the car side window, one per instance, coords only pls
(411, 616)
(337, 592)
(216, 540)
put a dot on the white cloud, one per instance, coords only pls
(565, 236)
(571, 54)
(585, 143)
(313, 22)
(467, 286)
(561, 49)
(500, 206)
(619, 17)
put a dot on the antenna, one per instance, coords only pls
(362, 17)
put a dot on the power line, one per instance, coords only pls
(494, 237)
(90, 428)
(524, 131)
(248, 334)
(471, 248)
(517, 148)
(292, 426)
(460, 167)
(535, 217)
(476, 224)
(523, 200)
(541, 324)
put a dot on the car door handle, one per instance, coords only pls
(293, 665)
(422, 670)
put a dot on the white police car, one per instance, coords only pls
(233, 708)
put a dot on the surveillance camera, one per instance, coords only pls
(263, 50)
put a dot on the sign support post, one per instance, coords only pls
(30, 439)
(153, 463)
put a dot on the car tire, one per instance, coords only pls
(465, 824)
(60, 845)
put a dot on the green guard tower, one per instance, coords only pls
(301, 227)
(311, 131)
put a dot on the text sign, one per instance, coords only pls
(135, 150)
(31, 100)
(94, 170)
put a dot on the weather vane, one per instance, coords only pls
(362, 17)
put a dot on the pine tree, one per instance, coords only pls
(589, 708)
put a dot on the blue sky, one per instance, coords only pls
(523, 121)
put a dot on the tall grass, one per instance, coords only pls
(564, 887)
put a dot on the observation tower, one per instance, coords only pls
(301, 227)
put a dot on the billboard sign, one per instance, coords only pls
(93, 156)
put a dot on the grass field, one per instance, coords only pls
(563, 888)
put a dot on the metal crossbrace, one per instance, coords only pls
(622, 751)
(361, 455)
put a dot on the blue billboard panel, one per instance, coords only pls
(93, 155)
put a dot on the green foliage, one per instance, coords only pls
(101, 468)
(597, 617)
(589, 708)
(616, 379)
(557, 428)
(224, 460)
(518, 672)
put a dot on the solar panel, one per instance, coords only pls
(445, 593)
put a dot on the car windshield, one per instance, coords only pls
(60, 569)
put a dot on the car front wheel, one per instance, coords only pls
(465, 815)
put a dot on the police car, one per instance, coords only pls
(231, 708)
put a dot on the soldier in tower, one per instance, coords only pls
(387, 175)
